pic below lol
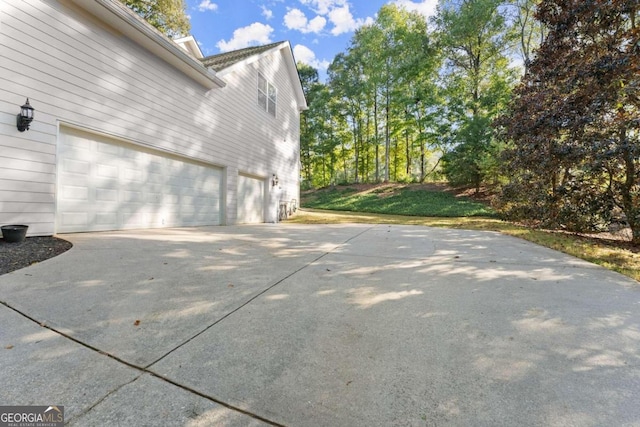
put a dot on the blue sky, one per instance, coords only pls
(317, 29)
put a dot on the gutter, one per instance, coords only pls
(131, 25)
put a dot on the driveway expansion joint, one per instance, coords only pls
(99, 401)
(147, 369)
(142, 370)
(258, 295)
(343, 342)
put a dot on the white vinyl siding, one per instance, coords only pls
(77, 70)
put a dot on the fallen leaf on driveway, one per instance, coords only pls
(136, 323)
(9, 347)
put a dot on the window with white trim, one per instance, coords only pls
(267, 95)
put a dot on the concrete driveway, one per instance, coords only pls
(351, 325)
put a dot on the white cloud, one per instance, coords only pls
(295, 19)
(337, 12)
(267, 13)
(254, 34)
(323, 7)
(307, 56)
(316, 24)
(344, 22)
(424, 7)
(206, 5)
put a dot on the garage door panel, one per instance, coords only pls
(250, 200)
(76, 166)
(107, 171)
(132, 197)
(77, 145)
(106, 195)
(108, 149)
(74, 219)
(155, 178)
(74, 192)
(106, 185)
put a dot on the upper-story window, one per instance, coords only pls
(267, 95)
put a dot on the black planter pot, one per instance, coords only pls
(14, 233)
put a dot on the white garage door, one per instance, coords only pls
(250, 200)
(104, 184)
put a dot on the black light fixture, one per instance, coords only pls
(274, 180)
(25, 117)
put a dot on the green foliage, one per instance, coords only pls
(477, 80)
(412, 98)
(373, 120)
(168, 16)
(397, 201)
(572, 132)
(528, 31)
(616, 256)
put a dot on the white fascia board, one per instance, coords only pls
(295, 77)
(117, 15)
(291, 67)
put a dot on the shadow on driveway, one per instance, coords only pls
(321, 325)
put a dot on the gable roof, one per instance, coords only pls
(225, 63)
(227, 59)
(190, 44)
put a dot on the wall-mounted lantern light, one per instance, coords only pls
(25, 117)
(274, 180)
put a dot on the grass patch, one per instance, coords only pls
(609, 254)
(397, 200)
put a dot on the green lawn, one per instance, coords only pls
(413, 205)
(396, 200)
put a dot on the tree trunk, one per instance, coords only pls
(422, 152)
(408, 168)
(356, 147)
(395, 160)
(375, 135)
(367, 133)
(631, 209)
(406, 140)
(324, 171)
(387, 136)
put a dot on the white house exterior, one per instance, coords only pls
(133, 130)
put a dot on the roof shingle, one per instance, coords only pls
(225, 60)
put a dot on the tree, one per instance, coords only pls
(529, 32)
(389, 66)
(168, 16)
(573, 129)
(477, 82)
(378, 121)
(310, 82)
